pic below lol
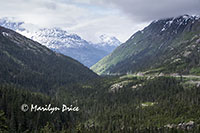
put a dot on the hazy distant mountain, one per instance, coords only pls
(107, 43)
(166, 45)
(66, 43)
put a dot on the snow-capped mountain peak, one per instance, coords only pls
(50, 37)
(175, 24)
(11, 23)
(56, 38)
(107, 43)
(109, 40)
(179, 19)
(64, 42)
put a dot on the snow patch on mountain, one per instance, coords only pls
(5, 34)
(176, 21)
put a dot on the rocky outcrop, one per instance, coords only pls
(185, 125)
(117, 86)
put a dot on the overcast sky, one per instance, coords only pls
(91, 18)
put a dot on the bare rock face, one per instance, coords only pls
(117, 86)
(185, 125)
(189, 125)
(198, 41)
(170, 126)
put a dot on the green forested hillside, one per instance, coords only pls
(114, 104)
(28, 63)
(167, 45)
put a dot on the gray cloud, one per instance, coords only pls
(90, 18)
(148, 10)
(50, 5)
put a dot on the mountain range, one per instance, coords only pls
(61, 41)
(34, 76)
(170, 45)
(28, 63)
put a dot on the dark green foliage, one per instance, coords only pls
(11, 99)
(3, 122)
(104, 111)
